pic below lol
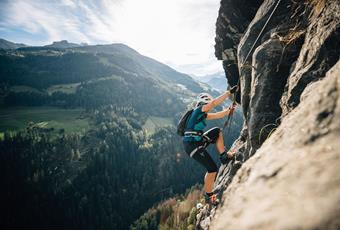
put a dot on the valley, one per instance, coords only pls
(91, 130)
(17, 118)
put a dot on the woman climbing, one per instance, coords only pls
(196, 141)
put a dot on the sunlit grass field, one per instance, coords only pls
(17, 118)
(152, 123)
(63, 88)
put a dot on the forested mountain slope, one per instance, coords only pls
(102, 177)
(88, 66)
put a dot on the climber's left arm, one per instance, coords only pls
(225, 112)
(218, 115)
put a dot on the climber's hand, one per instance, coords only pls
(232, 108)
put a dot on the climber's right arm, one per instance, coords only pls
(217, 101)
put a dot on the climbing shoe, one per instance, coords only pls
(211, 199)
(238, 157)
(225, 159)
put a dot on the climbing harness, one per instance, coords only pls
(193, 133)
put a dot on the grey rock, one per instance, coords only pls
(266, 90)
(246, 66)
(319, 53)
(233, 18)
(286, 173)
(293, 181)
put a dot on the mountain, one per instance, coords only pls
(216, 81)
(208, 77)
(108, 59)
(87, 136)
(90, 67)
(64, 44)
(7, 45)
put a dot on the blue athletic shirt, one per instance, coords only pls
(193, 124)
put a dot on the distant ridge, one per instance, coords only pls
(63, 44)
(217, 80)
(7, 45)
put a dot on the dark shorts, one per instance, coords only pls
(197, 149)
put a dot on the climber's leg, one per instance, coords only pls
(221, 147)
(220, 143)
(197, 151)
(205, 160)
(209, 180)
(215, 135)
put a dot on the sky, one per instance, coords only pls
(179, 33)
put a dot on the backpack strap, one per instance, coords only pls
(191, 133)
(202, 118)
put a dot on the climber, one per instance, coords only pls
(195, 141)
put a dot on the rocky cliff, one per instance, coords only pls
(286, 175)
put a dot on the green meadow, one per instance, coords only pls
(17, 118)
(63, 88)
(153, 122)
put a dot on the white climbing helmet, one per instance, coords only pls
(199, 206)
(204, 98)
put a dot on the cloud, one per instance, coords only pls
(68, 3)
(176, 32)
(37, 17)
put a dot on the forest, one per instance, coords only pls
(109, 175)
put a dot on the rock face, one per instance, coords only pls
(288, 150)
(234, 16)
(293, 180)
